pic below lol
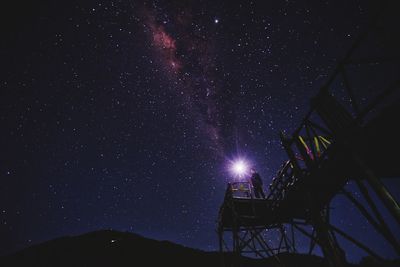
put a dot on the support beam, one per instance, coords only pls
(304, 232)
(293, 240)
(381, 228)
(379, 189)
(332, 252)
(256, 251)
(284, 237)
(221, 246)
(265, 246)
(350, 92)
(312, 243)
(357, 243)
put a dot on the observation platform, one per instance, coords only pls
(293, 197)
(241, 210)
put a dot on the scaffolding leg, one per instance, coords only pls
(331, 250)
(221, 246)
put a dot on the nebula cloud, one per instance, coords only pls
(164, 44)
(190, 60)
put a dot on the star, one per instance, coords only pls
(149, 104)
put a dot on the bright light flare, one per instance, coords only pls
(239, 167)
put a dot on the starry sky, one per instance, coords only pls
(123, 114)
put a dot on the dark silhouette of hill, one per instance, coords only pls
(112, 248)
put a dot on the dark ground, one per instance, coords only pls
(112, 248)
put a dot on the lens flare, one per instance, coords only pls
(239, 167)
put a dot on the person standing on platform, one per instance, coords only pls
(257, 183)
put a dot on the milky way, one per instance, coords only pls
(189, 60)
(121, 114)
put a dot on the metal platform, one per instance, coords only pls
(355, 141)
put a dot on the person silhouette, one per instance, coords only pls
(257, 183)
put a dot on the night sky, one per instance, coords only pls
(123, 114)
